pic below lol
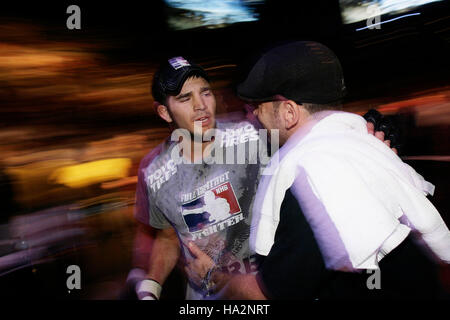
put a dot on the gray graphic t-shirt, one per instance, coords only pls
(209, 203)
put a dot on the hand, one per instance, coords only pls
(380, 135)
(383, 129)
(198, 268)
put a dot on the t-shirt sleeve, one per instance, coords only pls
(146, 211)
(141, 212)
(294, 267)
(158, 219)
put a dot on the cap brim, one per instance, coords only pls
(253, 88)
(247, 92)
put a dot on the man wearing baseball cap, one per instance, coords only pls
(195, 200)
(361, 202)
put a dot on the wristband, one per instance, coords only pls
(207, 284)
(148, 289)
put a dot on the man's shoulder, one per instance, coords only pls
(154, 154)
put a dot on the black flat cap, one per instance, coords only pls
(302, 71)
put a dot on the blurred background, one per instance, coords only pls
(76, 111)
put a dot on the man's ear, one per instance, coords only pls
(163, 112)
(291, 114)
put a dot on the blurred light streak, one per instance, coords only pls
(426, 158)
(120, 183)
(390, 20)
(85, 174)
(416, 102)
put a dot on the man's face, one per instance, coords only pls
(195, 102)
(269, 116)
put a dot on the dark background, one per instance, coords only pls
(407, 51)
(90, 101)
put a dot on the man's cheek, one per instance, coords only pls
(370, 128)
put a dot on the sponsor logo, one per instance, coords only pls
(161, 175)
(179, 62)
(215, 210)
(241, 135)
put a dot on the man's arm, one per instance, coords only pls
(238, 287)
(164, 254)
(156, 251)
(143, 241)
(226, 286)
(155, 254)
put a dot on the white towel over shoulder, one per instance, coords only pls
(360, 199)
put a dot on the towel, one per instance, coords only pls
(360, 199)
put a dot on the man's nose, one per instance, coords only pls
(199, 104)
(255, 112)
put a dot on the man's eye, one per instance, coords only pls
(207, 93)
(184, 99)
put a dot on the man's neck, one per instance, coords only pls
(195, 152)
(305, 118)
(198, 151)
(196, 147)
(309, 122)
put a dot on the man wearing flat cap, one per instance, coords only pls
(365, 208)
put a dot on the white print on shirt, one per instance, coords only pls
(213, 211)
(243, 145)
(218, 208)
(232, 137)
(207, 186)
(218, 227)
(247, 265)
(161, 175)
